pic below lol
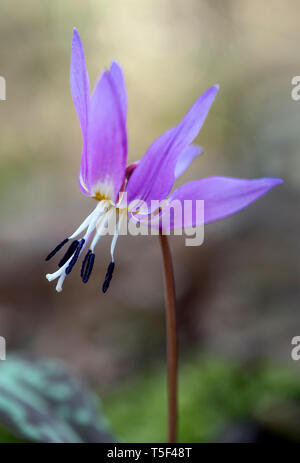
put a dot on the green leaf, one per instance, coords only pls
(42, 401)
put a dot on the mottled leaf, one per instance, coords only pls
(42, 401)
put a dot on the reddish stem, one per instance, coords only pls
(171, 331)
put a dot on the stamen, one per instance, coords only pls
(86, 222)
(114, 240)
(55, 250)
(69, 253)
(89, 268)
(76, 247)
(98, 235)
(75, 256)
(108, 277)
(84, 262)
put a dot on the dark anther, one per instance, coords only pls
(69, 253)
(75, 256)
(58, 247)
(108, 277)
(84, 262)
(89, 267)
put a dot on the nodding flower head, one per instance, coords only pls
(103, 174)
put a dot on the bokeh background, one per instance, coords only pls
(238, 293)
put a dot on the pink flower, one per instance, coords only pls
(103, 174)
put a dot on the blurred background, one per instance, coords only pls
(238, 293)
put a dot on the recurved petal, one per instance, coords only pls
(222, 196)
(107, 137)
(186, 157)
(79, 82)
(120, 87)
(154, 176)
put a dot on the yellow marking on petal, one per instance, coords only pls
(100, 197)
(103, 190)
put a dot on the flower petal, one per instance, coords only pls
(154, 176)
(222, 196)
(107, 137)
(79, 82)
(186, 157)
(119, 81)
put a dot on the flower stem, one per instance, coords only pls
(171, 337)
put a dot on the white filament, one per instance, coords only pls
(115, 238)
(100, 229)
(87, 221)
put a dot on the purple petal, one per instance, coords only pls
(107, 138)
(79, 82)
(222, 196)
(119, 81)
(186, 157)
(154, 177)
